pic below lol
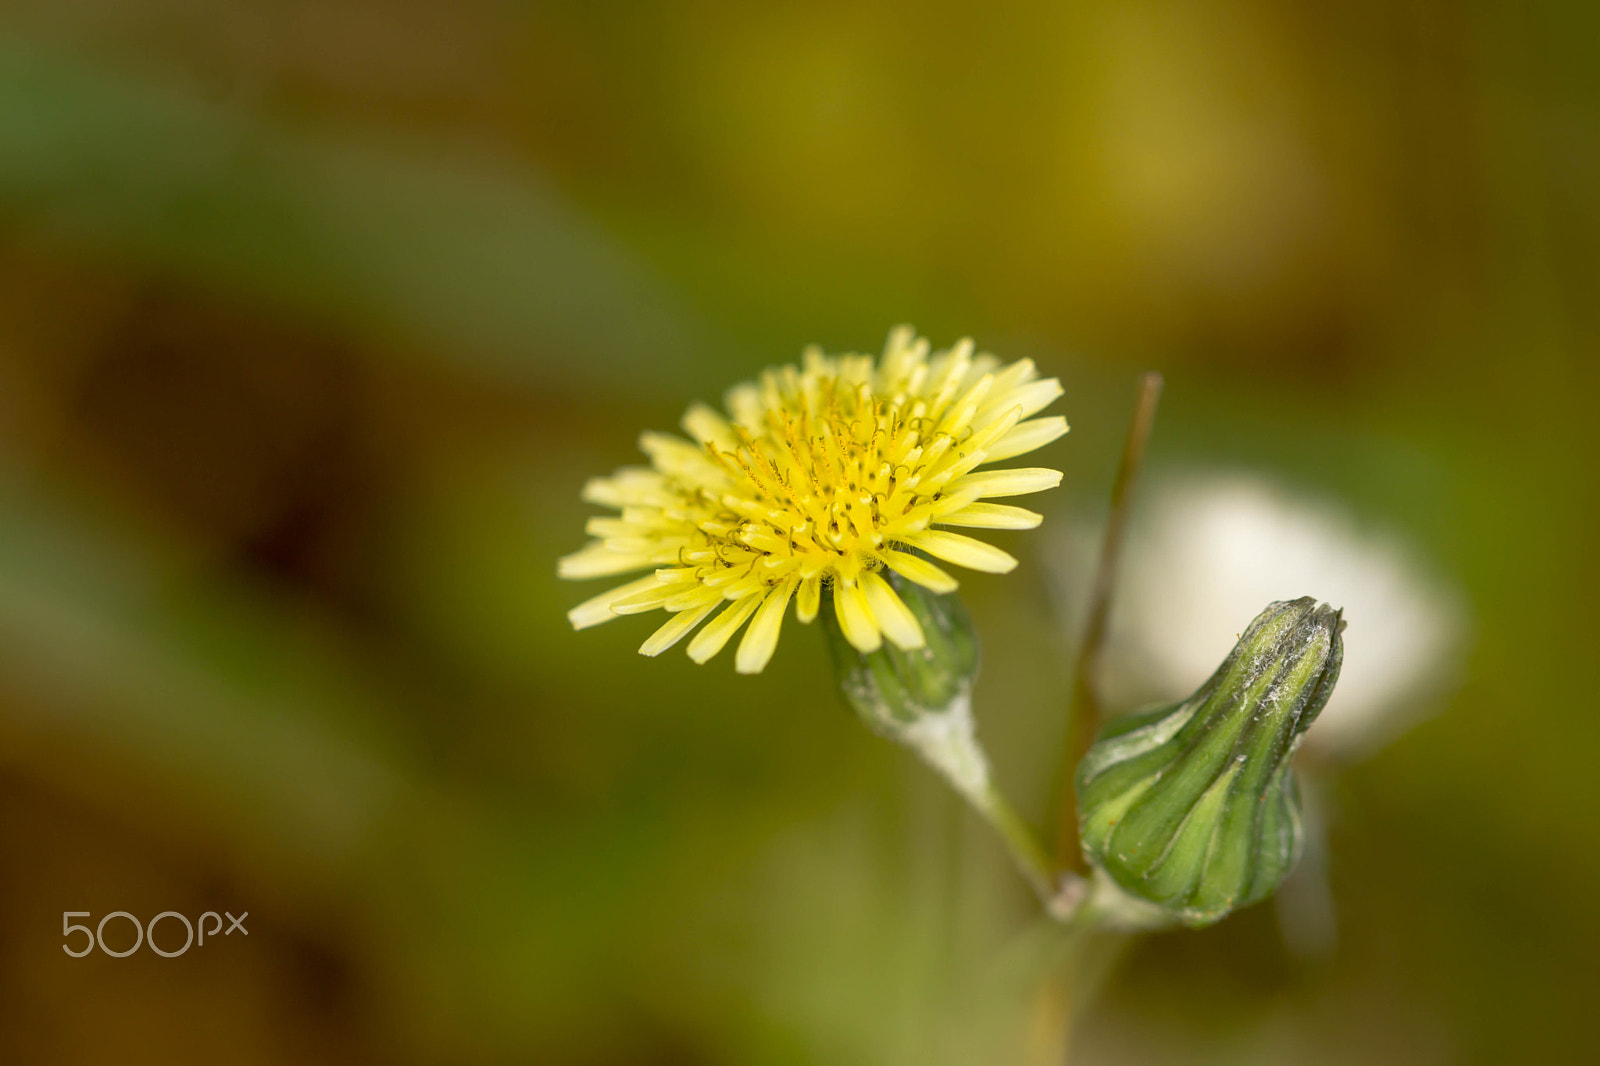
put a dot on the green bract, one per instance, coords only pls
(892, 689)
(1194, 807)
(922, 697)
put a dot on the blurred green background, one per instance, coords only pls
(316, 314)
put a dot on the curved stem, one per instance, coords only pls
(1026, 851)
(947, 742)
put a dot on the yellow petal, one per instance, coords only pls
(924, 573)
(962, 410)
(1032, 397)
(711, 639)
(855, 617)
(597, 560)
(674, 629)
(891, 613)
(689, 597)
(1012, 377)
(597, 609)
(963, 551)
(647, 599)
(677, 574)
(1009, 482)
(950, 470)
(995, 425)
(708, 427)
(672, 454)
(603, 527)
(991, 516)
(1024, 437)
(810, 598)
(762, 637)
(630, 486)
(656, 548)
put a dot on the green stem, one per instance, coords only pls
(1026, 851)
(947, 741)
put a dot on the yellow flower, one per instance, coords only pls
(824, 475)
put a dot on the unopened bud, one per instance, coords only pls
(891, 688)
(920, 698)
(1194, 807)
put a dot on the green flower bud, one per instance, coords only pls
(1194, 807)
(920, 698)
(892, 689)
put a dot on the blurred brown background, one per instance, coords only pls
(314, 316)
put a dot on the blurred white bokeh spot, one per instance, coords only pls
(1207, 551)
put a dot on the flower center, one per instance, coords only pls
(833, 470)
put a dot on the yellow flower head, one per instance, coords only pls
(822, 475)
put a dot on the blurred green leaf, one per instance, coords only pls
(476, 262)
